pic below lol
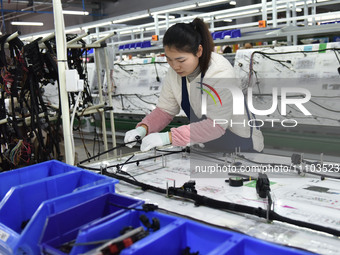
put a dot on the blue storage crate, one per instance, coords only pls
(207, 240)
(110, 229)
(226, 33)
(121, 47)
(184, 235)
(133, 46)
(174, 237)
(22, 211)
(235, 33)
(246, 245)
(146, 44)
(217, 35)
(64, 226)
(32, 173)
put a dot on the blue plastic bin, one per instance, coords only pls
(110, 229)
(146, 44)
(133, 46)
(245, 245)
(197, 237)
(217, 35)
(64, 226)
(235, 33)
(226, 33)
(175, 236)
(184, 234)
(32, 173)
(22, 211)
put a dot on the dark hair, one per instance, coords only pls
(188, 36)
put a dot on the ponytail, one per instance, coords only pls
(188, 36)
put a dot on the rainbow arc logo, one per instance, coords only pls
(204, 99)
(209, 93)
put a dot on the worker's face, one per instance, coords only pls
(183, 63)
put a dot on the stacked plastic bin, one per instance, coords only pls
(29, 195)
(56, 209)
(174, 236)
(137, 45)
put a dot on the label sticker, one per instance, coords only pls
(3, 236)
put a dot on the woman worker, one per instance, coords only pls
(195, 70)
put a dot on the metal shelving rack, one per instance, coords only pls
(289, 28)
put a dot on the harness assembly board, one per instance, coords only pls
(300, 195)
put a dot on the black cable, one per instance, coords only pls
(120, 171)
(104, 152)
(260, 163)
(323, 107)
(223, 205)
(336, 55)
(157, 77)
(140, 98)
(145, 159)
(136, 64)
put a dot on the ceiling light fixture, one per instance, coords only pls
(130, 18)
(21, 23)
(185, 7)
(232, 2)
(75, 12)
(164, 17)
(236, 14)
(213, 2)
(98, 25)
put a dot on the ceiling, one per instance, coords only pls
(42, 11)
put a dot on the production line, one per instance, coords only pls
(191, 127)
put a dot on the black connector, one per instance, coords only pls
(190, 186)
(149, 207)
(155, 225)
(296, 159)
(262, 185)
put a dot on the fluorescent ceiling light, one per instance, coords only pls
(75, 12)
(98, 25)
(72, 30)
(232, 2)
(279, 7)
(236, 14)
(326, 17)
(211, 2)
(152, 28)
(320, 1)
(130, 18)
(125, 32)
(21, 23)
(190, 6)
(164, 16)
(228, 20)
